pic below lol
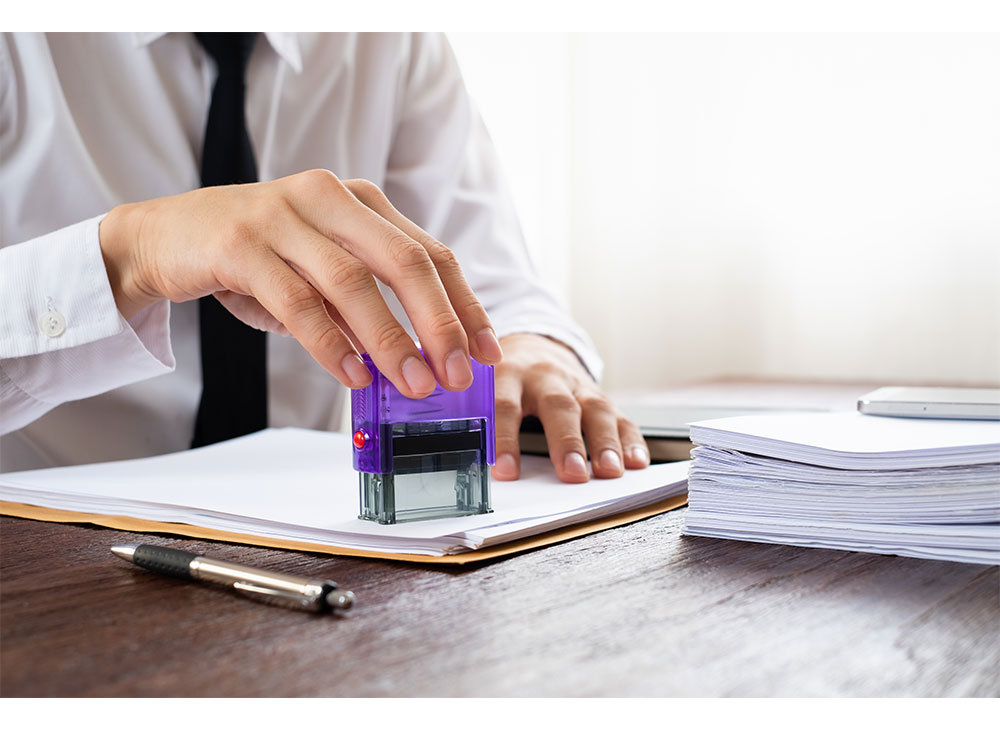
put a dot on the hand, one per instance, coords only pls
(541, 377)
(299, 256)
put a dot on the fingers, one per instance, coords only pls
(295, 303)
(249, 311)
(633, 444)
(508, 426)
(302, 310)
(306, 249)
(600, 423)
(542, 377)
(347, 284)
(402, 263)
(560, 413)
(588, 415)
(482, 339)
(332, 311)
(615, 443)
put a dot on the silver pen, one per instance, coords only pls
(263, 585)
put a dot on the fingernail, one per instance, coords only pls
(489, 345)
(506, 467)
(456, 365)
(418, 376)
(575, 466)
(356, 371)
(610, 461)
(639, 454)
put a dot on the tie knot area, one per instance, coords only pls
(230, 51)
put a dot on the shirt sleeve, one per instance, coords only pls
(443, 174)
(61, 336)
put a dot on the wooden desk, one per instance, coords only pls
(638, 610)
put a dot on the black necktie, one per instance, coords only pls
(233, 355)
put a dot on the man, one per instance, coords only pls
(105, 256)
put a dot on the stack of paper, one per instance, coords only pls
(299, 485)
(903, 486)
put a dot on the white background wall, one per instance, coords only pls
(787, 205)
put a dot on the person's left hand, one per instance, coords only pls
(541, 377)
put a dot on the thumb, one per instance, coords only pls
(251, 312)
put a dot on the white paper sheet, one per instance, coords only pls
(917, 487)
(850, 440)
(297, 484)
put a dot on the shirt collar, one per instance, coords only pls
(285, 45)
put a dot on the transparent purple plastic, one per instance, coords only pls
(377, 408)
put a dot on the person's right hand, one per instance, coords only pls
(299, 256)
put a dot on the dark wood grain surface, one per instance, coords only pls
(638, 610)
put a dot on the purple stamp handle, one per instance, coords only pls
(381, 404)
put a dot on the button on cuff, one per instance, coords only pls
(52, 323)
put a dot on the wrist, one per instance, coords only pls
(119, 235)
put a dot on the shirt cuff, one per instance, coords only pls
(37, 383)
(61, 336)
(56, 292)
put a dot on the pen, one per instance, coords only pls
(262, 585)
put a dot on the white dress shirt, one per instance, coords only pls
(90, 121)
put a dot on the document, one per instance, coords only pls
(925, 488)
(300, 486)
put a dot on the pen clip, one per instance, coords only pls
(289, 599)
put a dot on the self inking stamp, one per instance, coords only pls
(427, 458)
